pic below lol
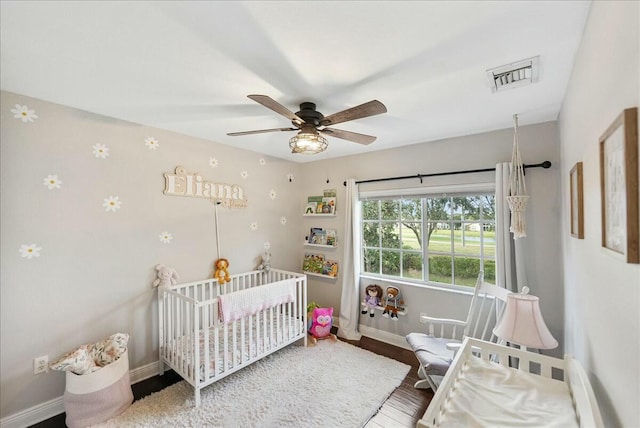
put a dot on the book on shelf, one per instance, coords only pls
(331, 237)
(313, 263)
(330, 268)
(329, 202)
(329, 193)
(314, 198)
(319, 208)
(317, 236)
(311, 208)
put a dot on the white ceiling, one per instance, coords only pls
(188, 66)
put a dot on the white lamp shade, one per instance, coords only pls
(522, 323)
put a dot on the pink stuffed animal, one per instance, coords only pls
(321, 324)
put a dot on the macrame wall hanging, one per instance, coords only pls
(517, 192)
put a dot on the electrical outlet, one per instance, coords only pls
(41, 364)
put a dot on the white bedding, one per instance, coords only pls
(490, 395)
(260, 345)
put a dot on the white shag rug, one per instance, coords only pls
(333, 384)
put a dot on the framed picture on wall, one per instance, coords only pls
(577, 202)
(619, 186)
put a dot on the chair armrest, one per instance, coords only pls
(454, 346)
(432, 320)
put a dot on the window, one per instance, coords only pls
(459, 232)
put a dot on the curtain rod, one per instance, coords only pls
(545, 165)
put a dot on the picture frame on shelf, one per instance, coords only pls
(577, 201)
(619, 186)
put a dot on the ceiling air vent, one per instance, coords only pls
(513, 75)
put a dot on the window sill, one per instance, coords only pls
(455, 289)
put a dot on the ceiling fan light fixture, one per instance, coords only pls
(308, 143)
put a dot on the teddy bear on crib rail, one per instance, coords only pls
(166, 277)
(221, 273)
(265, 264)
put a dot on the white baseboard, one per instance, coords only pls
(384, 336)
(54, 407)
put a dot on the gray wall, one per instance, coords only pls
(542, 245)
(602, 292)
(94, 273)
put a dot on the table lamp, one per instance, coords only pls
(522, 323)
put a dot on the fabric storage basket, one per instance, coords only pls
(95, 397)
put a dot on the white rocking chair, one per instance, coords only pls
(436, 348)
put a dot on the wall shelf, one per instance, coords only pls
(319, 215)
(381, 308)
(306, 244)
(319, 274)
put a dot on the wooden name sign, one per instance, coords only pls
(192, 185)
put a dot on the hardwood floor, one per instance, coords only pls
(402, 409)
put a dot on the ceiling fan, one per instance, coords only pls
(311, 123)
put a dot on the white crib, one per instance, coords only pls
(200, 347)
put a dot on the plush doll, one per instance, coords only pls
(222, 271)
(393, 303)
(265, 264)
(166, 277)
(321, 324)
(372, 299)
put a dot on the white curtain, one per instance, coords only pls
(510, 271)
(350, 302)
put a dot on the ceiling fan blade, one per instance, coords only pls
(358, 112)
(261, 131)
(348, 135)
(272, 104)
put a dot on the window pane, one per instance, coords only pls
(391, 263)
(468, 207)
(370, 234)
(412, 265)
(489, 271)
(488, 207)
(489, 240)
(440, 239)
(391, 235)
(372, 261)
(440, 269)
(390, 210)
(411, 209)
(370, 210)
(411, 235)
(467, 239)
(438, 209)
(466, 270)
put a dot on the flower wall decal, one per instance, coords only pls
(101, 151)
(151, 143)
(262, 161)
(272, 194)
(52, 182)
(165, 237)
(253, 226)
(23, 112)
(283, 220)
(244, 174)
(30, 251)
(112, 203)
(213, 162)
(267, 245)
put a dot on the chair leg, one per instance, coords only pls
(425, 382)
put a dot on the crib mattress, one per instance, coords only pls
(490, 395)
(243, 352)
